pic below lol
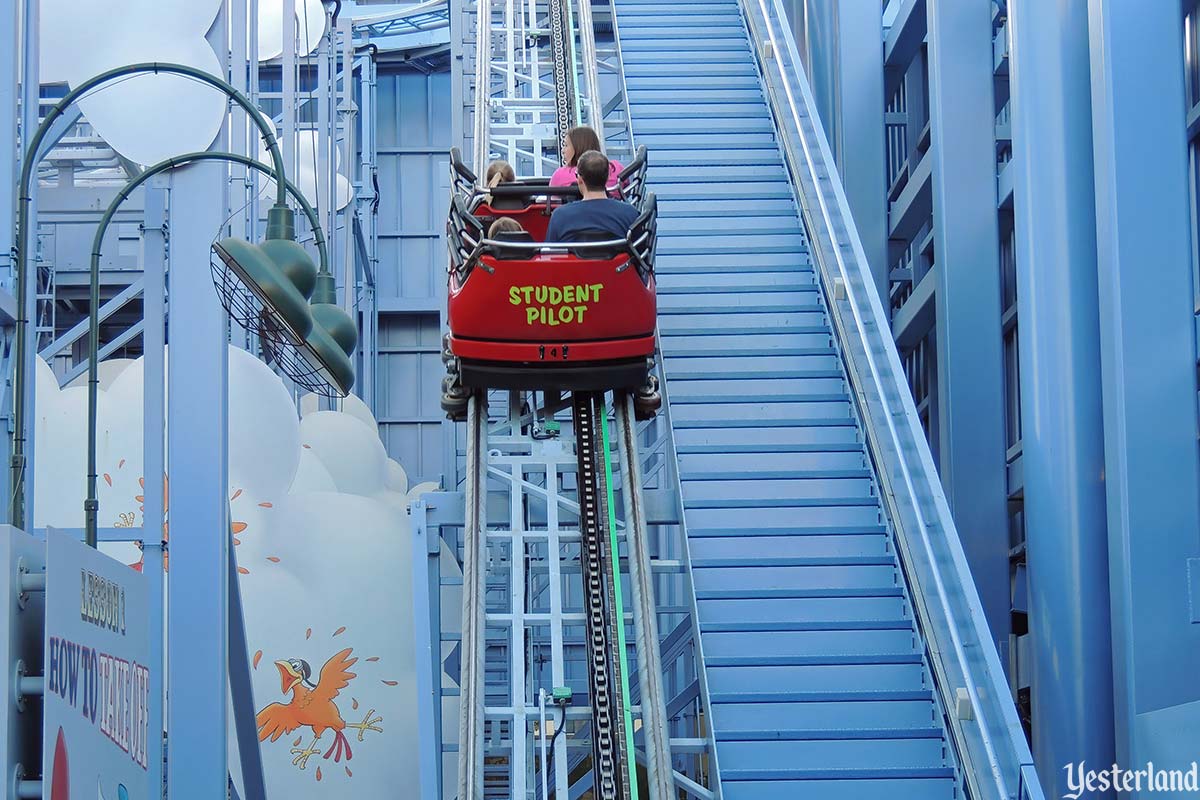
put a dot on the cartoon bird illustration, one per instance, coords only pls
(312, 706)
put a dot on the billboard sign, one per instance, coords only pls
(96, 737)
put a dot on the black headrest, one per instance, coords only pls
(512, 253)
(595, 252)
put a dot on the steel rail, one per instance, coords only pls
(471, 683)
(655, 729)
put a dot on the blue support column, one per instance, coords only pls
(30, 115)
(1060, 388)
(10, 39)
(197, 466)
(10, 42)
(154, 267)
(842, 47)
(970, 353)
(197, 443)
(859, 148)
(1148, 355)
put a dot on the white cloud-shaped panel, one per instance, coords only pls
(148, 117)
(324, 552)
(304, 175)
(309, 27)
(352, 454)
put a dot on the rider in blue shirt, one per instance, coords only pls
(596, 213)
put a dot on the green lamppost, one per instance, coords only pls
(278, 272)
(324, 345)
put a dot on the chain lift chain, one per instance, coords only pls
(564, 100)
(611, 570)
(591, 525)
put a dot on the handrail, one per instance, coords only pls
(483, 83)
(587, 40)
(987, 735)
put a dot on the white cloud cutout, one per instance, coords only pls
(310, 27)
(322, 539)
(148, 117)
(305, 173)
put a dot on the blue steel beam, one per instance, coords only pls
(197, 609)
(1067, 547)
(30, 108)
(197, 447)
(154, 313)
(859, 149)
(1148, 355)
(970, 356)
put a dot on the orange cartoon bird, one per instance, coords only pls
(312, 706)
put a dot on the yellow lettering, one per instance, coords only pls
(579, 312)
(531, 313)
(596, 287)
(556, 295)
(526, 291)
(539, 294)
(566, 314)
(568, 294)
(514, 295)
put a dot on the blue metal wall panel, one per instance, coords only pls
(413, 137)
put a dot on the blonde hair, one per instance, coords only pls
(504, 225)
(498, 172)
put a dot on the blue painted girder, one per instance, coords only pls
(815, 670)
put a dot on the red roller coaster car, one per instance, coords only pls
(529, 314)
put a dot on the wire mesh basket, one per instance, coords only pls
(242, 305)
(247, 310)
(291, 360)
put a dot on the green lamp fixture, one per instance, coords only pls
(330, 345)
(272, 281)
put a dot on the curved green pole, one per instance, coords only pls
(16, 507)
(91, 504)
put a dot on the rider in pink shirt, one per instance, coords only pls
(579, 141)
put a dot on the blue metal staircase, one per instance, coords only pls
(816, 672)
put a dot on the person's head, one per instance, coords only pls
(504, 225)
(498, 172)
(592, 173)
(579, 141)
